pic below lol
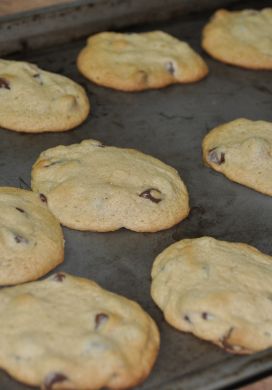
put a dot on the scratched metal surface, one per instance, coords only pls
(169, 124)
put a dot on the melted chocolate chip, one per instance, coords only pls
(224, 340)
(207, 316)
(169, 66)
(4, 83)
(187, 318)
(213, 157)
(53, 378)
(20, 239)
(43, 198)
(100, 319)
(147, 195)
(59, 277)
(37, 76)
(19, 209)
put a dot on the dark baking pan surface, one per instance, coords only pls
(169, 124)
(56, 24)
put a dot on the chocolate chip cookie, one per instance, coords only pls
(135, 62)
(241, 38)
(66, 332)
(33, 100)
(31, 239)
(242, 151)
(89, 186)
(219, 291)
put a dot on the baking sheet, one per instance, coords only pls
(169, 124)
(56, 24)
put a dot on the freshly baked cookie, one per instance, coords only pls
(135, 62)
(33, 100)
(92, 187)
(217, 290)
(241, 38)
(242, 151)
(66, 332)
(31, 239)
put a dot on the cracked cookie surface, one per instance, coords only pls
(31, 239)
(217, 290)
(242, 151)
(135, 62)
(67, 332)
(93, 187)
(241, 38)
(33, 100)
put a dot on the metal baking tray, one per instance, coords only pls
(47, 26)
(169, 124)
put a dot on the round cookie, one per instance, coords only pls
(66, 332)
(31, 239)
(217, 290)
(135, 62)
(33, 100)
(241, 38)
(92, 187)
(242, 151)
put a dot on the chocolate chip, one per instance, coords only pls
(187, 318)
(37, 76)
(147, 194)
(53, 378)
(4, 83)
(224, 341)
(100, 319)
(169, 66)
(59, 277)
(207, 316)
(204, 316)
(213, 157)
(19, 209)
(43, 198)
(20, 239)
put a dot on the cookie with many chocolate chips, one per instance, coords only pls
(33, 100)
(241, 38)
(93, 187)
(66, 332)
(31, 239)
(242, 151)
(217, 290)
(135, 62)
